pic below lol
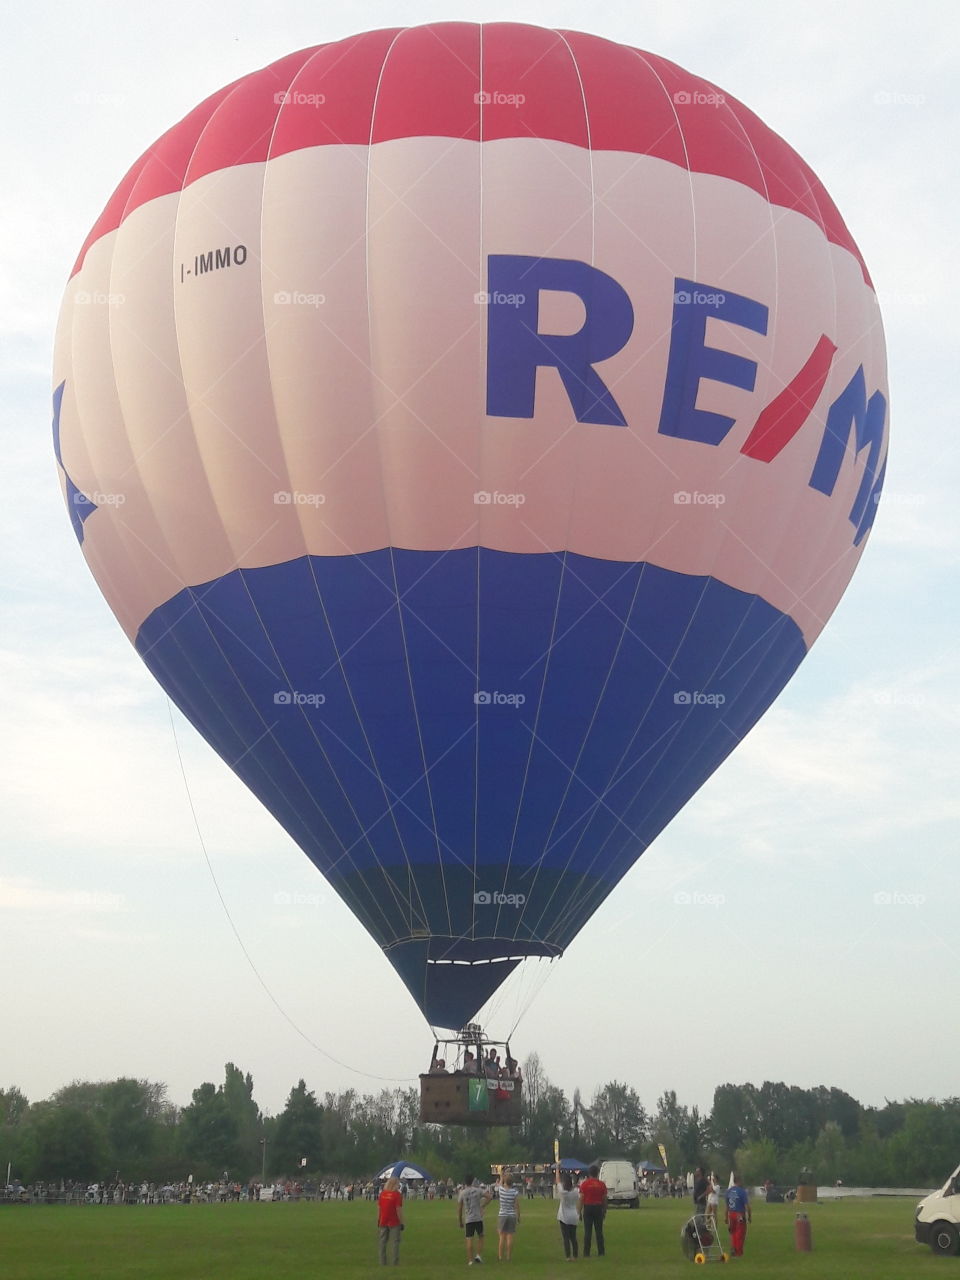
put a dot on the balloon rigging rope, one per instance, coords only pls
(523, 989)
(236, 933)
(534, 991)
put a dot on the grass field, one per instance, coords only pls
(872, 1239)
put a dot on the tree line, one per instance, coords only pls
(129, 1130)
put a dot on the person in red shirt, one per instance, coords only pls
(593, 1207)
(390, 1220)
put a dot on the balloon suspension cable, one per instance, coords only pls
(246, 954)
(510, 991)
(535, 991)
(513, 991)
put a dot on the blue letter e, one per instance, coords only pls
(690, 358)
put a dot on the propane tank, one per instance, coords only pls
(802, 1233)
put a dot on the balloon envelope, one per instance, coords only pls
(472, 428)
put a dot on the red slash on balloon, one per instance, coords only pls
(783, 417)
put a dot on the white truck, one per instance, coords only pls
(622, 1185)
(937, 1221)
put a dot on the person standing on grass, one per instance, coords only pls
(568, 1215)
(593, 1207)
(700, 1191)
(390, 1221)
(713, 1201)
(471, 1203)
(509, 1219)
(738, 1215)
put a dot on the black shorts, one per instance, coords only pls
(474, 1229)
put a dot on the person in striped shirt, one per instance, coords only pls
(509, 1219)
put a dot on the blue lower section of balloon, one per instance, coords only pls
(473, 746)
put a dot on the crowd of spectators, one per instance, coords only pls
(661, 1187)
(225, 1191)
(117, 1191)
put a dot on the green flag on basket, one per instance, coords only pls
(479, 1096)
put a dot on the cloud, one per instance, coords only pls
(114, 937)
(852, 774)
(96, 764)
(22, 894)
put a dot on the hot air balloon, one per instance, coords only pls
(472, 427)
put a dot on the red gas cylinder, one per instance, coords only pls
(802, 1233)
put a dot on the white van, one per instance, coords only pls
(622, 1185)
(937, 1221)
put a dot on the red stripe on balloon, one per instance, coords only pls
(431, 74)
(240, 130)
(531, 88)
(157, 172)
(460, 80)
(332, 98)
(783, 417)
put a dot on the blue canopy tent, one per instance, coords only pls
(569, 1165)
(406, 1171)
(645, 1166)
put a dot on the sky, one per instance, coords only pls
(796, 921)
